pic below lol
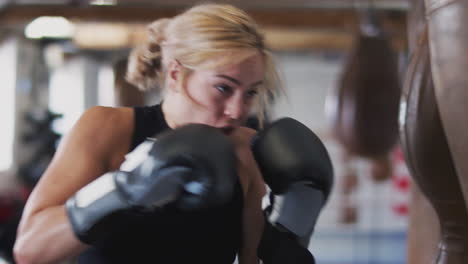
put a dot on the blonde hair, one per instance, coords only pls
(196, 36)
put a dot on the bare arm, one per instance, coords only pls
(253, 222)
(88, 151)
(254, 186)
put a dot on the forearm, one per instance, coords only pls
(46, 237)
(253, 220)
(249, 255)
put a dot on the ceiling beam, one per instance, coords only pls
(292, 28)
(303, 40)
(119, 36)
(283, 17)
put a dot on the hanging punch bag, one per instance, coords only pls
(366, 103)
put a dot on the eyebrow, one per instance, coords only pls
(236, 81)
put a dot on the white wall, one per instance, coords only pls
(8, 51)
(378, 235)
(308, 78)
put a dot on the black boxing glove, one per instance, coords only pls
(192, 167)
(296, 166)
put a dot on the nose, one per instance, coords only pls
(235, 108)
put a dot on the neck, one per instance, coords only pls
(178, 109)
(167, 112)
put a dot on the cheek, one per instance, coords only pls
(213, 105)
(209, 98)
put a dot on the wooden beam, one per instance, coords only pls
(24, 13)
(287, 29)
(303, 40)
(118, 36)
(312, 18)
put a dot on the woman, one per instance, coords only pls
(214, 69)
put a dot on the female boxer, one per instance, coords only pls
(214, 69)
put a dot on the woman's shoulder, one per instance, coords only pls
(103, 130)
(106, 119)
(108, 112)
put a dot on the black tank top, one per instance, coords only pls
(170, 235)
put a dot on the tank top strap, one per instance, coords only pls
(148, 121)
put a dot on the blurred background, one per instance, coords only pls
(339, 59)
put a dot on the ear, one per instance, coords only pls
(173, 74)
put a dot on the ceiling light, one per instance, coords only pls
(103, 2)
(49, 27)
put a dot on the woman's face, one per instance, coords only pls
(225, 95)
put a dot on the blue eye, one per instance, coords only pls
(252, 93)
(223, 88)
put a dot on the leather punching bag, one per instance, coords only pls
(429, 159)
(448, 41)
(423, 226)
(434, 130)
